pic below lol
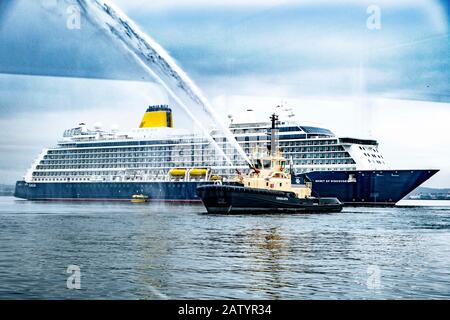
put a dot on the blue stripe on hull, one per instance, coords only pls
(166, 191)
(380, 187)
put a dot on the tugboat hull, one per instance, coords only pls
(226, 199)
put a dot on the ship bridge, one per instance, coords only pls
(317, 132)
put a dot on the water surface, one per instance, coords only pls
(153, 251)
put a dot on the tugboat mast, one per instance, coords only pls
(273, 135)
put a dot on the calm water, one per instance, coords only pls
(149, 251)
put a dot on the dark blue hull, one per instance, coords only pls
(365, 187)
(156, 191)
(225, 199)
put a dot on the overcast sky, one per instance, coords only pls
(392, 84)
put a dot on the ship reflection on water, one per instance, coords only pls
(271, 249)
(290, 261)
(151, 251)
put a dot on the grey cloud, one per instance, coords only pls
(35, 40)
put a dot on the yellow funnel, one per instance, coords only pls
(157, 116)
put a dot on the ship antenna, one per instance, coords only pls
(273, 134)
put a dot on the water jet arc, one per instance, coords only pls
(158, 63)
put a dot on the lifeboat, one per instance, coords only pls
(198, 172)
(177, 172)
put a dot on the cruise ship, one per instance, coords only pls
(168, 164)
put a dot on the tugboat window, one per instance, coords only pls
(266, 164)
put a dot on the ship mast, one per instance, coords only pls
(273, 135)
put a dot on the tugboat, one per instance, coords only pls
(266, 189)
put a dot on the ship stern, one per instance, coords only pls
(21, 190)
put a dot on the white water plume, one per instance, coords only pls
(159, 64)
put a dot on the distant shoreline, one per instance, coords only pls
(6, 190)
(420, 194)
(422, 203)
(400, 204)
